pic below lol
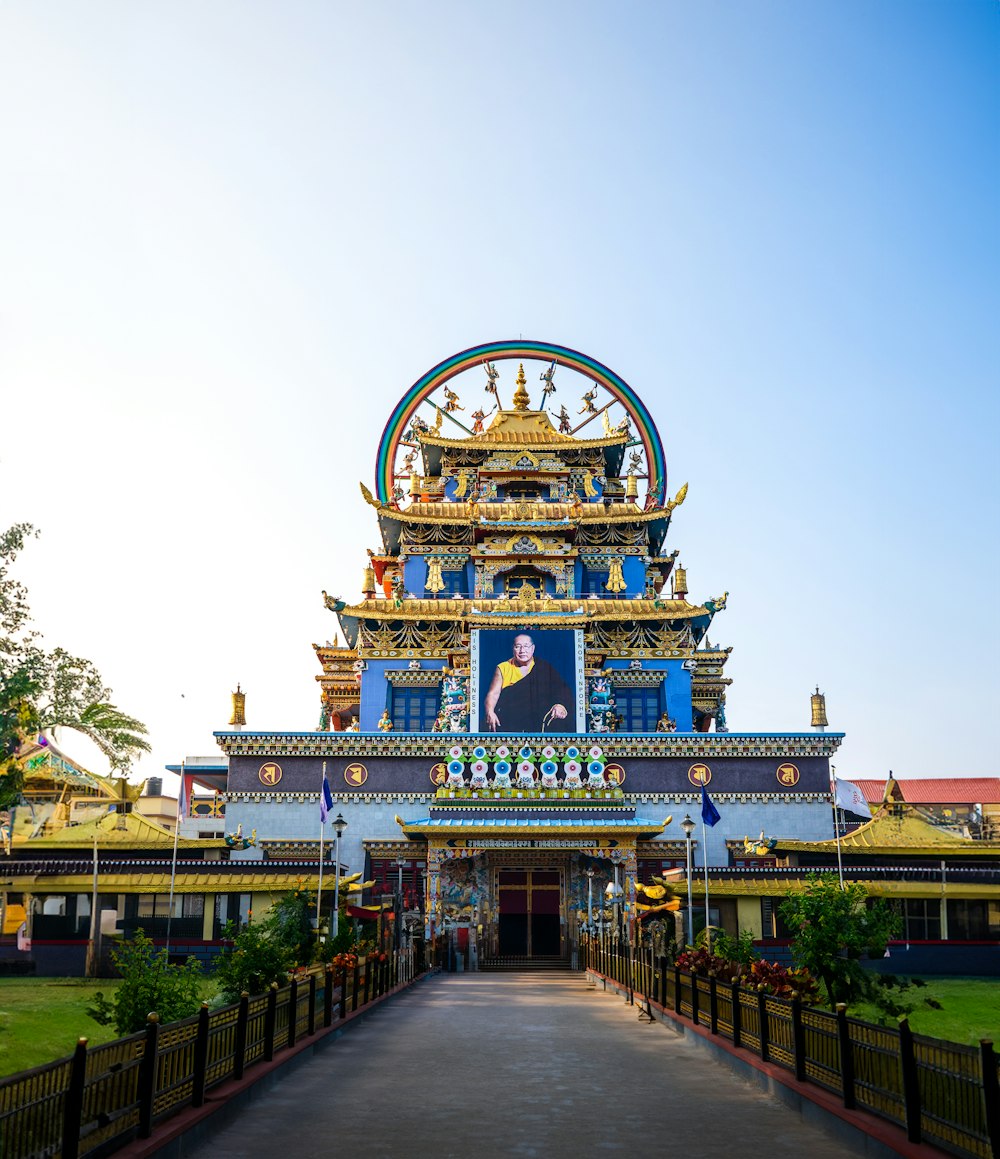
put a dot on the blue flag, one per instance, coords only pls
(325, 800)
(709, 813)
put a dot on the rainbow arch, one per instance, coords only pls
(438, 375)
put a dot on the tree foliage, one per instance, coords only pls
(835, 926)
(149, 984)
(266, 951)
(43, 690)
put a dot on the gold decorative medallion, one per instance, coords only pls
(355, 775)
(787, 775)
(615, 774)
(439, 774)
(269, 774)
(699, 775)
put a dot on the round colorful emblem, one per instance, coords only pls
(502, 768)
(503, 752)
(595, 752)
(573, 753)
(455, 752)
(355, 775)
(480, 767)
(615, 774)
(787, 775)
(456, 768)
(439, 774)
(572, 766)
(699, 775)
(548, 752)
(269, 774)
(549, 768)
(479, 752)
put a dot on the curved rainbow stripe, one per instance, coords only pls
(504, 351)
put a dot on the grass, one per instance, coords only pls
(970, 1010)
(41, 1019)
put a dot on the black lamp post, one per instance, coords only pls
(339, 825)
(688, 826)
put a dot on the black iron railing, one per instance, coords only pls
(939, 1092)
(103, 1097)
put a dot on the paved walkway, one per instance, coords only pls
(480, 1065)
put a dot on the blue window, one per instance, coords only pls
(454, 583)
(640, 708)
(594, 581)
(414, 709)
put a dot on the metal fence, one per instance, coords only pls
(938, 1092)
(101, 1098)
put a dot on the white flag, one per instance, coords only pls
(851, 798)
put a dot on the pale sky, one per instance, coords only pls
(233, 234)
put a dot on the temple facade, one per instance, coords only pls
(526, 704)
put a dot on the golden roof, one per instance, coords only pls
(444, 511)
(124, 831)
(896, 827)
(523, 428)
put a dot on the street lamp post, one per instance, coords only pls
(590, 900)
(400, 864)
(339, 825)
(688, 826)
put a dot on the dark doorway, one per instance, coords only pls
(530, 902)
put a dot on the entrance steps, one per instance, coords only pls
(538, 964)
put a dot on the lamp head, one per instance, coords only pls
(339, 825)
(687, 825)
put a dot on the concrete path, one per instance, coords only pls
(480, 1065)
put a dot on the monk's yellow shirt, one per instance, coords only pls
(511, 674)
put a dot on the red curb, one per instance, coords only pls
(883, 1132)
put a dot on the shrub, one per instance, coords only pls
(149, 983)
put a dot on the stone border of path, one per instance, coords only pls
(192, 1126)
(865, 1134)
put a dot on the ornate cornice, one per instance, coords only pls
(657, 745)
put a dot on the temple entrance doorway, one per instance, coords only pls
(529, 909)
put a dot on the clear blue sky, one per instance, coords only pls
(232, 234)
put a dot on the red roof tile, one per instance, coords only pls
(951, 790)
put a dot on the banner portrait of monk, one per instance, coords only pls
(528, 694)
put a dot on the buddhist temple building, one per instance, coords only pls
(522, 721)
(526, 702)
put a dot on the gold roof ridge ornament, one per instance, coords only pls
(239, 716)
(817, 703)
(522, 400)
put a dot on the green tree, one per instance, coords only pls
(834, 927)
(149, 983)
(42, 690)
(252, 962)
(290, 923)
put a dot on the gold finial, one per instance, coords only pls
(239, 717)
(818, 704)
(521, 398)
(631, 487)
(680, 582)
(368, 586)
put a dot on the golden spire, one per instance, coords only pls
(818, 703)
(521, 399)
(239, 717)
(680, 583)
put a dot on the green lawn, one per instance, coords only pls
(970, 1010)
(42, 1018)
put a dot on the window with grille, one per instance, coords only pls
(639, 708)
(921, 919)
(414, 709)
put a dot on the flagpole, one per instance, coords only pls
(704, 853)
(836, 823)
(173, 860)
(322, 826)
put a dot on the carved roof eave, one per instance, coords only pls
(560, 513)
(504, 611)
